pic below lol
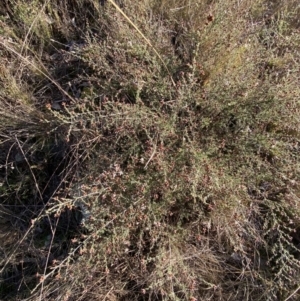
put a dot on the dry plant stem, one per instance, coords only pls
(32, 24)
(152, 155)
(48, 256)
(32, 173)
(6, 162)
(291, 295)
(143, 36)
(2, 42)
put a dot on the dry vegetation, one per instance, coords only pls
(149, 150)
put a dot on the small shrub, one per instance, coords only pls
(149, 151)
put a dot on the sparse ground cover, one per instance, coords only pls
(149, 150)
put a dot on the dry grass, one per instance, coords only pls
(149, 150)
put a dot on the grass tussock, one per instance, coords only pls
(149, 150)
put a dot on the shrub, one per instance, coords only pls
(149, 150)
